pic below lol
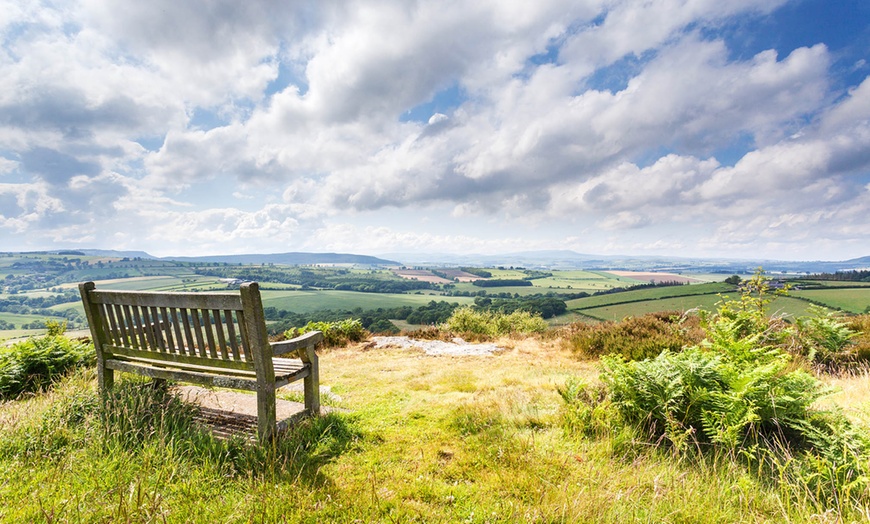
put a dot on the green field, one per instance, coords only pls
(852, 300)
(649, 294)
(788, 306)
(831, 283)
(562, 282)
(20, 320)
(316, 300)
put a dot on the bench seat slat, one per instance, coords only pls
(178, 358)
(285, 368)
(183, 376)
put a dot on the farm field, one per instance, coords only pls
(780, 306)
(657, 277)
(316, 300)
(833, 283)
(18, 321)
(640, 295)
(852, 300)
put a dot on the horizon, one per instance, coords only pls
(440, 258)
(705, 130)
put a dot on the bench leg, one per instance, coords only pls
(266, 417)
(312, 389)
(159, 384)
(105, 378)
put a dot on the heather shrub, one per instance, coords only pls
(860, 343)
(635, 338)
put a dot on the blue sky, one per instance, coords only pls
(672, 127)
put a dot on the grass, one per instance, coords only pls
(852, 300)
(424, 439)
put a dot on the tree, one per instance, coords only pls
(733, 280)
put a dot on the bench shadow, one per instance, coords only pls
(303, 446)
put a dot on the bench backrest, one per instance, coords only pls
(211, 329)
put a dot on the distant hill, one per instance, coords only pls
(565, 259)
(114, 253)
(863, 261)
(291, 259)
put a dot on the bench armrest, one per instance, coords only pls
(303, 345)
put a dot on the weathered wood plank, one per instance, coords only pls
(197, 330)
(221, 339)
(217, 380)
(243, 329)
(173, 312)
(97, 324)
(310, 339)
(139, 327)
(119, 351)
(179, 300)
(231, 334)
(190, 342)
(261, 351)
(208, 324)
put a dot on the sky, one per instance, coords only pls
(698, 128)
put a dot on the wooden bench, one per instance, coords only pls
(216, 339)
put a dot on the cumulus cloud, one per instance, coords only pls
(269, 119)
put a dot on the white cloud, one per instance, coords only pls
(111, 115)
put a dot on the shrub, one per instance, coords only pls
(335, 334)
(35, 363)
(825, 337)
(860, 346)
(634, 338)
(469, 321)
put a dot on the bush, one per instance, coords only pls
(825, 337)
(737, 392)
(36, 362)
(635, 338)
(860, 346)
(383, 326)
(335, 334)
(468, 321)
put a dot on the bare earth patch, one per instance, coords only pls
(422, 275)
(456, 348)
